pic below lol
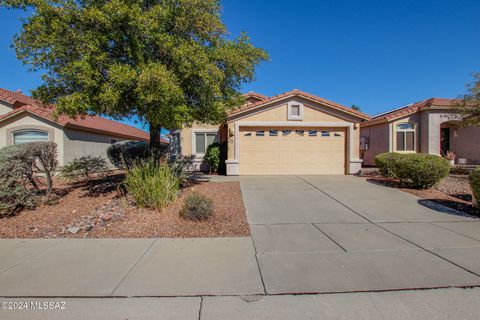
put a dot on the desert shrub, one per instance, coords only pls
(46, 160)
(475, 185)
(152, 185)
(196, 207)
(84, 167)
(387, 163)
(212, 156)
(181, 168)
(415, 170)
(124, 155)
(15, 177)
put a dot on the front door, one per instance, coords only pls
(444, 141)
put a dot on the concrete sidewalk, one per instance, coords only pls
(438, 304)
(128, 267)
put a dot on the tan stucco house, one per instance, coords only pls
(430, 126)
(291, 133)
(23, 119)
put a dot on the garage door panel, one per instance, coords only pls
(292, 152)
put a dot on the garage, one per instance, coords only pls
(292, 150)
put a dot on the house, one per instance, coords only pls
(24, 119)
(430, 126)
(291, 133)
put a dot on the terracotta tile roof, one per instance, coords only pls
(254, 96)
(410, 109)
(301, 94)
(23, 103)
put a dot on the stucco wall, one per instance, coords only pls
(466, 144)
(435, 120)
(378, 142)
(5, 107)
(82, 143)
(23, 121)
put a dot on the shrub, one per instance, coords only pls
(124, 155)
(196, 207)
(84, 167)
(151, 185)
(475, 185)
(46, 162)
(212, 156)
(15, 177)
(181, 167)
(387, 163)
(415, 170)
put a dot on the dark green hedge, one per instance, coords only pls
(414, 170)
(475, 185)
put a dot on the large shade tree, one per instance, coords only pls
(169, 62)
(469, 104)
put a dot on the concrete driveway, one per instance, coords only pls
(320, 234)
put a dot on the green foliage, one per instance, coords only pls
(15, 176)
(170, 62)
(356, 108)
(475, 185)
(46, 160)
(84, 167)
(212, 156)
(469, 105)
(180, 168)
(415, 170)
(151, 185)
(387, 163)
(124, 155)
(197, 207)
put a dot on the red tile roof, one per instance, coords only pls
(23, 103)
(410, 109)
(301, 94)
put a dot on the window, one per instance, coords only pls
(260, 133)
(312, 133)
(202, 141)
(286, 132)
(273, 133)
(299, 132)
(27, 136)
(325, 134)
(248, 134)
(405, 137)
(337, 135)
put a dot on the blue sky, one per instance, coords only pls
(375, 54)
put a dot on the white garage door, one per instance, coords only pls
(288, 151)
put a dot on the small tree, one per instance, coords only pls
(469, 105)
(84, 167)
(46, 162)
(212, 156)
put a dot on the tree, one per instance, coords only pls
(355, 107)
(469, 104)
(171, 62)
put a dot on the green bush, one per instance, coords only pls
(16, 179)
(124, 155)
(414, 170)
(197, 207)
(387, 163)
(475, 185)
(84, 167)
(152, 185)
(212, 156)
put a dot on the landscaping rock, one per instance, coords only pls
(88, 227)
(73, 230)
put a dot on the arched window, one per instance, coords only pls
(405, 137)
(26, 136)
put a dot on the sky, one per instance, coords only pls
(378, 55)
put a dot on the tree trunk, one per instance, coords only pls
(155, 145)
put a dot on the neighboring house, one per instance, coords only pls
(291, 133)
(429, 126)
(23, 119)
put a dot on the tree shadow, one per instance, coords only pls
(450, 207)
(103, 185)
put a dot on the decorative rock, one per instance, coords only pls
(88, 227)
(106, 216)
(73, 230)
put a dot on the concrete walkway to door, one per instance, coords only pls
(321, 234)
